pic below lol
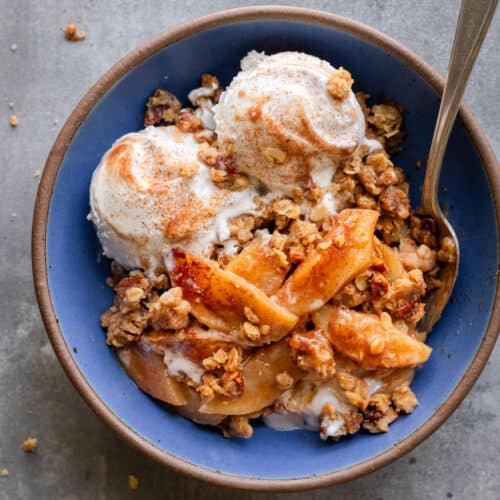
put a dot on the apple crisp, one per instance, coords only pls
(305, 316)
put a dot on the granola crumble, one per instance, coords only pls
(162, 106)
(355, 389)
(404, 399)
(241, 227)
(30, 444)
(133, 482)
(170, 311)
(340, 83)
(285, 211)
(237, 426)
(223, 374)
(379, 414)
(72, 34)
(447, 252)
(313, 353)
(187, 121)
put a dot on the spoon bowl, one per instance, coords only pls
(437, 300)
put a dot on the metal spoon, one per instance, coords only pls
(473, 22)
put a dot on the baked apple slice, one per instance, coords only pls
(143, 362)
(346, 251)
(144, 365)
(192, 409)
(260, 265)
(193, 343)
(395, 268)
(259, 376)
(368, 341)
(224, 301)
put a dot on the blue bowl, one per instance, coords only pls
(69, 277)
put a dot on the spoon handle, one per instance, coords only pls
(473, 22)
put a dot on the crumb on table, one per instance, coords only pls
(133, 482)
(73, 35)
(37, 173)
(30, 444)
(13, 121)
(11, 105)
(4, 472)
(13, 47)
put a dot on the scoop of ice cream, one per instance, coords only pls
(150, 191)
(282, 122)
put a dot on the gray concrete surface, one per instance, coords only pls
(78, 456)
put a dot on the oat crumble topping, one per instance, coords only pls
(162, 107)
(404, 399)
(340, 84)
(237, 426)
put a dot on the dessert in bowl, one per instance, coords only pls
(266, 260)
(272, 318)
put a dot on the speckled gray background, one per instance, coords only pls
(78, 456)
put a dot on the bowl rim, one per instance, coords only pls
(41, 212)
